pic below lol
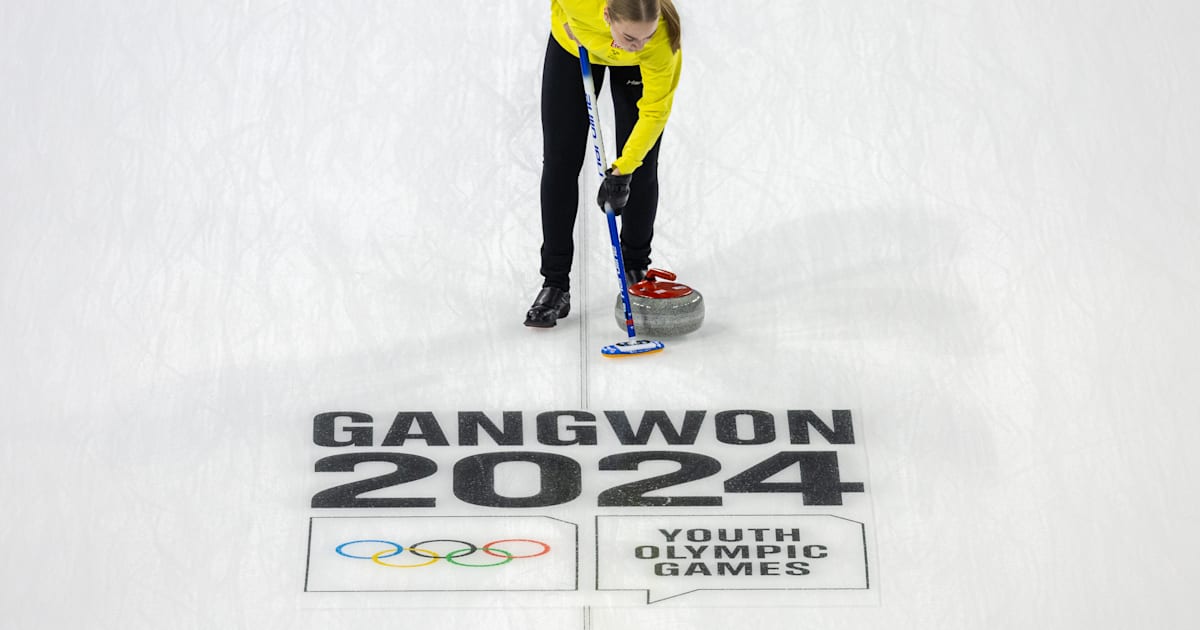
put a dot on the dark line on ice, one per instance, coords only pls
(581, 308)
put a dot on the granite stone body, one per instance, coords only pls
(662, 307)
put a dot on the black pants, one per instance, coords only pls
(565, 142)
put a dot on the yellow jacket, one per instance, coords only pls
(659, 67)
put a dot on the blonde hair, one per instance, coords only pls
(649, 11)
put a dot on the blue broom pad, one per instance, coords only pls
(631, 348)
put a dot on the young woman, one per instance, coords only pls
(639, 41)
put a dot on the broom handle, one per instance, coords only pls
(589, 94)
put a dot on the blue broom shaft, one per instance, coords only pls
(589, 89)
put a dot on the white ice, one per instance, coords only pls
(973, 222)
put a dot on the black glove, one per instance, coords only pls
(614, 189)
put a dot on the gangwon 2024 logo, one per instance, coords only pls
(390, 554)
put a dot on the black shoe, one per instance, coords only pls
(634, 276)
(550, 305)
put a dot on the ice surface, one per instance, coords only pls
(974, 222)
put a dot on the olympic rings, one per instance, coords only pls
(420, 550)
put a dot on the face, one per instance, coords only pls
(631, 36)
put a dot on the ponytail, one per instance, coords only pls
(671, 17)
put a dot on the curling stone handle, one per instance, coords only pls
(659, 274)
